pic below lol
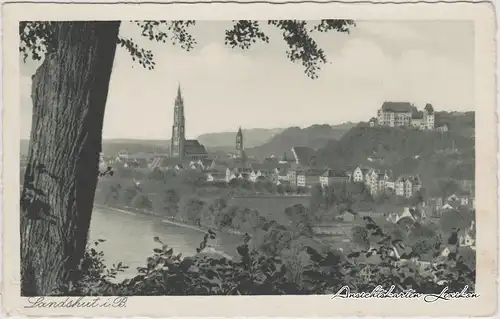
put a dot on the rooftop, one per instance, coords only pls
(303, 154)
(397, 107)
(194, 147)
(334, 173)
(429, 108)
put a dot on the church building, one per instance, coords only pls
(239, 153)
(180, 148)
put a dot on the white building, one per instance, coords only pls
(407, 185)
(394, 114)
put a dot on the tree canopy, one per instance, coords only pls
(38, 38)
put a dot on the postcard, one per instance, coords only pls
(216, 159)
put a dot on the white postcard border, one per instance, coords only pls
(289, 306)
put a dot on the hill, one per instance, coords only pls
(406, 151)
(226, 140)
(220, 141)
(113, 146)
(462, 124)
(315, 136)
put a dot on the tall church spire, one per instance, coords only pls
(239, 143)
(178, 128)
(179, 94)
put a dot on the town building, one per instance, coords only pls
(417, 121)
(407, 186)
(442, 128)
(292, 177)
(394, 114)
(309, 177)
(468, 239)
(372, 122)
(359, 173)
(180, 148)
(330, 177)
(371, 181)
(239, 153)
(238, 172)
(216, 177)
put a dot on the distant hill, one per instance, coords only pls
(226, 140)
(113, 146)
(315, 136)
(214, 142)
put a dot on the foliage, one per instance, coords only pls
(190, 209)
(304, 271)
(156, 174)
(141, 201)
(446, 188)
(112, 194)
(171, 202)
(317, 199)
(93, 277)
(460, 123)
(360, 236)
(341, 197)
(214, 213)
(398, 147)
(300, 220)
(379, 265)
(39, 37)
(455, 220)
(129, 194)
(35, 38)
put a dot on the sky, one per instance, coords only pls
(416, 61)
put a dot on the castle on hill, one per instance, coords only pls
(397, 114)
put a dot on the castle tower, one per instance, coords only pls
(239, 144)
(429, 117)
(178, 133)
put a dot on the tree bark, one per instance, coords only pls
(69, 93)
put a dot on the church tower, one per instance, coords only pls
(178, 133)
(239, 144)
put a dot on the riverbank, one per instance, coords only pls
(129, 238)
(165, 219)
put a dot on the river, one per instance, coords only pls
(129, 238)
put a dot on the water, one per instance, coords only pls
(129, 238)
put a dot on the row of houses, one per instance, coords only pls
(438, 205)
(296, 172)
(280, 173)
(381, 181)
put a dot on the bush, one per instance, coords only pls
(258, 273)
(141, 201)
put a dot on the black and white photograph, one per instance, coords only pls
(330, 157)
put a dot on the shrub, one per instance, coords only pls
(259, 273)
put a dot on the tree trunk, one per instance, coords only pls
(69, 93)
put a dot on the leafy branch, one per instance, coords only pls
(37, 38)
